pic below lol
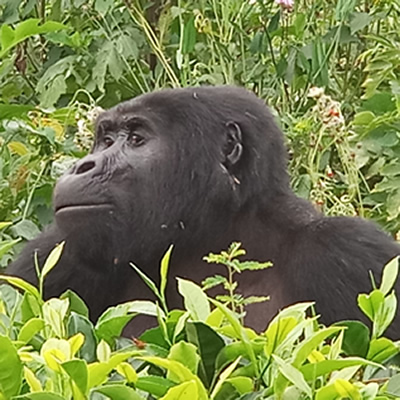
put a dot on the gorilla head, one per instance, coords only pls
(200, 168)
(166, 164)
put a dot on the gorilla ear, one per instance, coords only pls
(233, 146)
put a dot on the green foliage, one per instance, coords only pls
(230, 260)
(202, 352)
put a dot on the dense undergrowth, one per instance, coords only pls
(50, 350)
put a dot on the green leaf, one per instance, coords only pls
(21, 284)
(381, 350)
(146, 280)
(184, 391)
(195, 299)
(30, 329)
(76, 304)
(26, 229)
(356, 338)
(80, 324)
(242, 384)
(103, 351)
(164, 270)
(10, 38)
(293, 375)
(52, 259)
(385, 315)
(186, 354)
(112, 322)
(7, 245)
(225, 374)
(314, 370)
(370, 304)
(118, 392)
(213, 281)
(359, 21)
(189, 36)
(10, 369)
(393, 386)
(4, 225)
(145, 307)
(277, 331)
(41, 396)
(340, 389)
(209, 344)
(389, 275)
(78, 372)
(155, 385)
(180, 373)
(311, 343)
(10, 111)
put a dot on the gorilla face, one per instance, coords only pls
(150, 170)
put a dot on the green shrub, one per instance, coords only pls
(50, 350)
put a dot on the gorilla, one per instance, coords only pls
(200, 168)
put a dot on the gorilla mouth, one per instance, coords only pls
(82, 207)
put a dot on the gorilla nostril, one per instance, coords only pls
(86, 166)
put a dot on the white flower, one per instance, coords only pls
(287, 4)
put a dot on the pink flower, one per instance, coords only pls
(287, 4)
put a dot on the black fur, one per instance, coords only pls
(200, 168)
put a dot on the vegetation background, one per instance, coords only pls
(330, 71)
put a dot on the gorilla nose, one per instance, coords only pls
(85, 166)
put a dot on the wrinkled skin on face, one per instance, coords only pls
(199, 168)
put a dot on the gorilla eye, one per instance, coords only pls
(136, 140)
(108, 141)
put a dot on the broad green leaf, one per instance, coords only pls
(80, 324)
(180, 373)
(128, 372)
(78, 372)
(103, 351)
(4, 225)
(10, 369)
(10, 111)
(389, 275)
(370, 304)
(209, 344)
(52, 259)
(314, 370)
(30, 329)
(164, 270)
(54, 313)
(145, 307)
(189, 36)
(17, 148)
(184, 391)
(293, 375)
(118, 392)
(356, 338)
(186, 354)
(76, 304)
(111, 323)
(311, 343)
(21, 284)
(195, 299)
(381, 350)
(359, 21)
(243, 384)
(7, 245)
(393, 386)
(155, 385)
(26, 229)
(277, 331)
(385, 315)
(98, 372)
